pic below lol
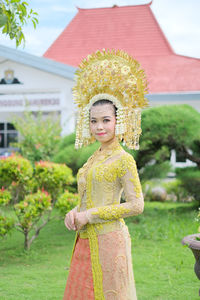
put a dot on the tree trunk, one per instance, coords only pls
(26, 241)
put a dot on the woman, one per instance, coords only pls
(101, 265)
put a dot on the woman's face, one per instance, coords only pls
(102, 122)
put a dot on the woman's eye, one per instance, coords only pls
(93, 121)
(106, 120)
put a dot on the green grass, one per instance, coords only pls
(163, 267)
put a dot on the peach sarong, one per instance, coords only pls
(79, 282)
(116, 263)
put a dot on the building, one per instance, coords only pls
(173, 78)
(46, 82)
(33, 83)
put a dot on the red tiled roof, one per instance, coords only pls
(135, 30)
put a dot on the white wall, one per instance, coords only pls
(38, 85)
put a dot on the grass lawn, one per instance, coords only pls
(163, 268)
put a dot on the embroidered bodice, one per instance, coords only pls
(101, 181)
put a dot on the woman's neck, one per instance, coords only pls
(107, 144)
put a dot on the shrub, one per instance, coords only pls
(36, 191)
(68, 155)
(53, 177)
(154, 191)
(5, 196)
(85, 153)
(67, 201)
(29, 213)
(16, 174)
(190, 178)
(39, 135)
(6, 224)
(155, 171)
(72, 157)
(175, 190)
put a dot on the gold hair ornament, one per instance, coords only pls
(115, 76)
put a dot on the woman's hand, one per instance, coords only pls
(81, 219)
(70, 220)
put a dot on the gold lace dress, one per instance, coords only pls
(101, 181)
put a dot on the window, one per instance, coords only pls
(8, 135)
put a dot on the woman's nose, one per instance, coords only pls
(99, 125)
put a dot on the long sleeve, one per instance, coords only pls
(127, 173)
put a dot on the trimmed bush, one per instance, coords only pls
(5, 196)
(53, 177)
(67, 201)
(29, 212)
(190, 178)
(6, 224)
(16, 174)
(34, 190)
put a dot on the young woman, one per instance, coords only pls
(101, 265)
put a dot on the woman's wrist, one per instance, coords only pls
(87, 214)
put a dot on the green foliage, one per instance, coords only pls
(175, 188)
(16, 173)
(156, 234)
(85, 153)
(53, 177)
(67, 141)
(29, 213)
(47, 180)
(190, 178)
(14, 14)
(165, 128)
(72, 157)
(68, 155)
(153, 190)
(39, 136)
(159, 170)
(67, 201)
(6, 224)
(5, 196)
(30, 210)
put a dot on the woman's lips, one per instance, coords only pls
(101, 133)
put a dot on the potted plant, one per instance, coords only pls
(193, 242)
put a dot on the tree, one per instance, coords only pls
(34, 190)
(14, 14)
(163, 128)
(38, 136)
(169, 127)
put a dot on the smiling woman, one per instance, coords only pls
(101, 264)
(102, 121)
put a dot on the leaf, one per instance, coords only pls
(34, 24)
(25, 3)
(36, 20)
(23, 9)
(3, 20)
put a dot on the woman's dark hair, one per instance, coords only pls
(105, 101)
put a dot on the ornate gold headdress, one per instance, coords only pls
(115, 76)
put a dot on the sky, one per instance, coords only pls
(179, 19)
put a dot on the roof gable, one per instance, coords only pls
(130, 28)
(133, 29)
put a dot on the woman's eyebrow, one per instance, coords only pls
(102, 117)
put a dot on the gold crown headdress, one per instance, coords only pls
(115, 76)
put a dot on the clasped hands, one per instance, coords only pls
(75, 220)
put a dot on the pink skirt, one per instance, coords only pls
(80, 282)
